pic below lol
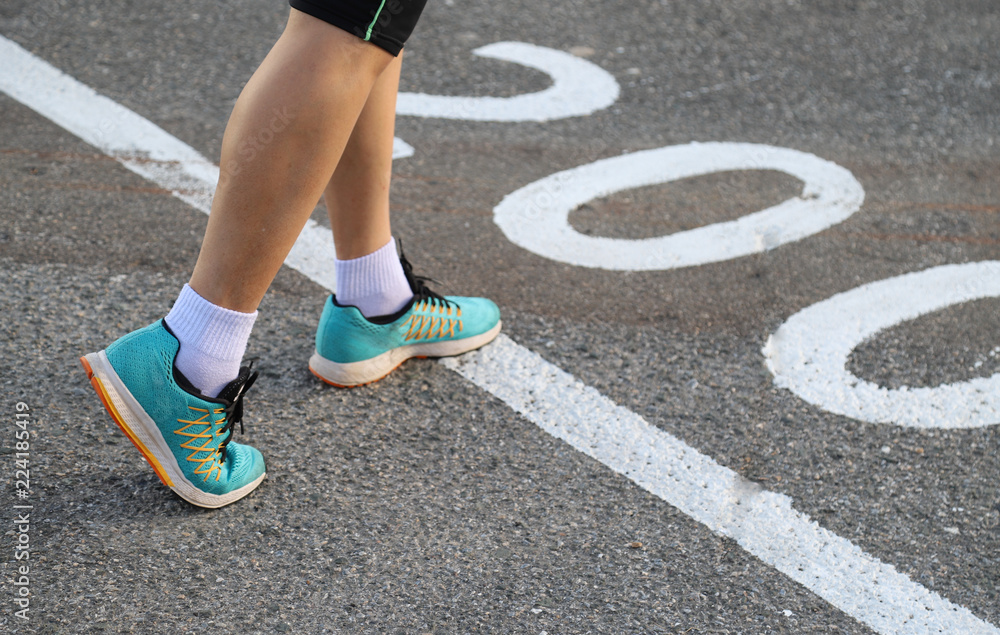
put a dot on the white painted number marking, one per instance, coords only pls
(578, 88)
(401, 149)
(536, 217)
(808, 353)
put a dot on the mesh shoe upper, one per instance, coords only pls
(196, 428)
(345, 336)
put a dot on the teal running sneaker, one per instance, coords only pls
(352, 350)
(183, 435)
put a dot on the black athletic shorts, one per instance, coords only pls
(385, 23)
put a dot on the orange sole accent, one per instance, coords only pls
(117, 418)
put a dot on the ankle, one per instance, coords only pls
(375, 283)
(212, 340)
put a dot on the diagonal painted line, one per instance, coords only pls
(138, 144)
(762, 522)
(143, 147)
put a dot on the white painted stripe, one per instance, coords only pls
(143, 147)
(578, 88)
(536, 216)
(808, 353)
(761, 521)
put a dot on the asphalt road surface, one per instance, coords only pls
(429, 503)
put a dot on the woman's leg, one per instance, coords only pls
(176, 387)
(357, 196)
(369, 274)
(382, 315)
(284, 139)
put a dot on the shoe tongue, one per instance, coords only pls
(232, 389)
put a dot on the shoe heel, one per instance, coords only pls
(105, 398)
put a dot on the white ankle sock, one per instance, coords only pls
(374, 283)
(213, 340)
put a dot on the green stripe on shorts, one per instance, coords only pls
(368, 34)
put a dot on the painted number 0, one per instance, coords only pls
(536, 216)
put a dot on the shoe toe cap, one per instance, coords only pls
(246, 464)
(479, 314)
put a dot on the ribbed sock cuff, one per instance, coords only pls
(374, 283)
(213, 331)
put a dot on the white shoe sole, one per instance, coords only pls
(367, 371)
(142, 431)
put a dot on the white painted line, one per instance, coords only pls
(578, 88)
(140, 145)
(536, 217)
(143, 147)
(761, 521)
(808, 353)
